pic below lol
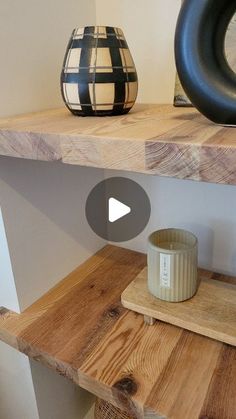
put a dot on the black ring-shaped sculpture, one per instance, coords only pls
(204, 72)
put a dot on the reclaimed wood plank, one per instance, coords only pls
(180, 390)
(128, 361)
(153, 139)
(220, 399)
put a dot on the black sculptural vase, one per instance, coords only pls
(204, 72)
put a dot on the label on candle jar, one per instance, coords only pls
(164, 270)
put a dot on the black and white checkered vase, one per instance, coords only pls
(98, 75)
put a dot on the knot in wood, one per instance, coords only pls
(3, 311)
(127, 385)
(114, 312)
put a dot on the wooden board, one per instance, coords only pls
(81, 330)
(211, 312)
(153, 139)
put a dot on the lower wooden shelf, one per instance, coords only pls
(211, 312)
(80, 329)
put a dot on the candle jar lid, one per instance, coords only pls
(159, 239)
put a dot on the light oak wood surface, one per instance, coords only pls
(153, 139)
(211, 312)
(80, 329)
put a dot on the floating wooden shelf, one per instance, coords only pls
(81, 330)
(153, 139)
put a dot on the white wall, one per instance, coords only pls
(149, 29)
(42, 203)
(8, 295)
(207, 210)
(13, 365)
(33, 39)
(57, 398)
(43, 210)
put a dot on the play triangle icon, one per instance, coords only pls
(117, 210)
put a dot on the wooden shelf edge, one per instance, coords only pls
(8, 317)
(152, 139)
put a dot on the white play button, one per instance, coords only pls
(117, 210)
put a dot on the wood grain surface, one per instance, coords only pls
(211, 312)
(153, 139)
(80, 329)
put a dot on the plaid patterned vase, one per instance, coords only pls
(98, 76)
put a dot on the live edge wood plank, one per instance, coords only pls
(152, 139)
(80, 329)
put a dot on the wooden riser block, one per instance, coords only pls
(211, 312)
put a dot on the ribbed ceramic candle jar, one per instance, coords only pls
(172, 264)
(98, 76)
